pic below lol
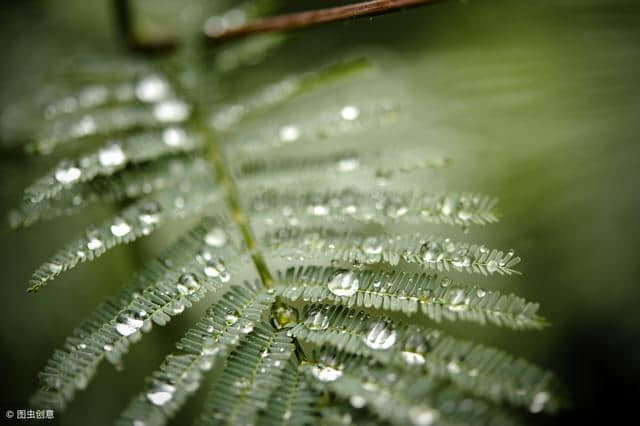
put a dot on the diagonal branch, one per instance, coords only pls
(313, 17)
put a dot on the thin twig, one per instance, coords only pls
(313, 17)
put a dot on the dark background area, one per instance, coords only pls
(537, 102)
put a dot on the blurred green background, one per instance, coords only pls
(537, 102)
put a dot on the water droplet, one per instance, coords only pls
(174, 136)
(161, 393)
(317, 320)
(247, 327)
(171, 111)
(453, 367)
(492, 266)
(120, 228)
(481, 293)
(94, 243)
(84, 127)
(216, 268)
(319, 210)
(67, 173)
(216, 237)
(381, 335)
(357, 401)
(149, 213)
(348, 164)
(447, 206)
(152, 89)
(111, 155)
(54, 267)
(395, 210)
(231, 318)
(129, 321)
(412, 358)
(539, 401)
(284, 316)
(289, 133)
(344, 283)
(372, 245)
(349, 113)
(422, 415)
(187, 284)
(325, 373)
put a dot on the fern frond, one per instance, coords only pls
(210, 340)
(373, 164)
(482, 371)
(436, 298)
(279, 208)
(417, 400)
(252, 373)
(112, 157)
(108, 88)
(441, 254)
(108, 121)
(326, 125)
(165, 288)
(132, 182)
(136, 220)
(292, 403)
(277, 93)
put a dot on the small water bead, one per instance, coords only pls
(289, 134)
(111, 155)
(171, 111)
(492, 266)
(453, 367)
(372, 245)
(423, 415)
(129, 321)
(161, 393)
(319, 320)
(187, 284)
(284, 316)
(481, 293)
(216, 237)
(215, 268)
(231, 318)
(539, 401)
(120, 228)
(431, 252)
(381, 335)
(54, 267)
(349, 113)
(412, 358)
(174, 136)
(395, 211)
(152, 89)
(150, 213)
(326, 373)
(448, 205)
(344, 283)
(67, 173)
(247, 327)
(348, 164)
(319, 210)
(94, 243)
(84, 127)
(176, 307)
(357, 401)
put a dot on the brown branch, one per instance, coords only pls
(313, 17)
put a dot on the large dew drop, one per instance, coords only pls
(344, 283)
(381, 335)
(152, 89)
(317, 320)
